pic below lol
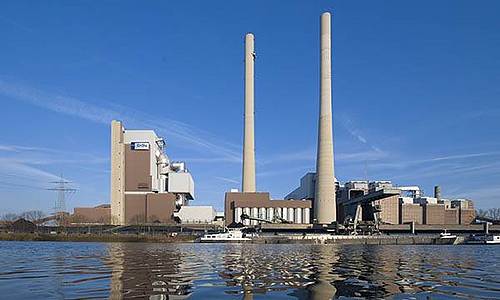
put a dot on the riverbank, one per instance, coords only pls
(266, 239)
(108, 238)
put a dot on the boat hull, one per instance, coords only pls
(237, 241)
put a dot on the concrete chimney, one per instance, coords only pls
(325, 210)
(248, 176)
(437, 192)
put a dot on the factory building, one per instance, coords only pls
(146, 186)
(306, 188)
(100, 214)
(395, 204)
(259, 206)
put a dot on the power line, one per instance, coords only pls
(62, 189)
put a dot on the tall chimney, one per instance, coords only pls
(325, 210)
(248, 177)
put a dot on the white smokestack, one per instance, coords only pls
(248, 177)
(325, 210)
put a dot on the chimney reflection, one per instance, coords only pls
(326, 258)
(152, 273)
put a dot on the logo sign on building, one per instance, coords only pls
(140, 146)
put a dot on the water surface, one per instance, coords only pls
(48, 270)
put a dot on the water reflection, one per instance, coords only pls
(149, 270)
(291, 271)
(199, 271)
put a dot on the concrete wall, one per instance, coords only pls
(149, 208)
(148, 136)
(160, 207)
(306, 189)
(100, 215)
(451, 216)
(434, 214)
(197, 214)
(137, 169)
(117, 185)
(390, 209)
(466, 216)
(135, 212)
(411, 213)
(181, 183)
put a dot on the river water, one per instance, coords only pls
(48, 270)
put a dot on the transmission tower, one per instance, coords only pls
(62, 189)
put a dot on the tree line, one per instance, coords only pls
(492, 213)
(31, 215)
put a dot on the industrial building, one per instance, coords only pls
(260, 207)
(146, 186)
(396, 204)
(100, 214)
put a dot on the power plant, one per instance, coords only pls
(147, 187)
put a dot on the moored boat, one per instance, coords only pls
(231, 235)
(484, 239)
(446, 235)
(446, 238)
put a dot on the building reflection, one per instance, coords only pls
(151, 274)
(243, 271)
(286, 269)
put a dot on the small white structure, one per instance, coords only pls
(196, 214)
(425, 200)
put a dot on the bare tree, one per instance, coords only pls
(481, 212)
(495, 213)
(10, 217)
(492, 213)
(138, 219)
(33, 215)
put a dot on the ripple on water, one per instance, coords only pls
(199, 271)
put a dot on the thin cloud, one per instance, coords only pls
(20, 163)
(25, 170)
(172, 129)
(46, 156)
(17, 148)
(348, 125)
(230, 180)
(486, 197)
(211, 159)
(361, 157)
(409, 163)
(341, 157)
(275, 172)
(463, 156)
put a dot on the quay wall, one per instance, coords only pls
(344, 240)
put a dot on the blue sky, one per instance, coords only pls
(415, 95)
